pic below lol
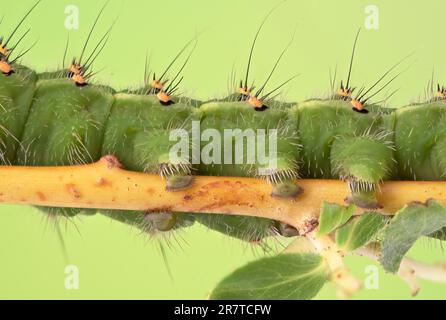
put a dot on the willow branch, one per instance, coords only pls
(344, 282)
(106, 185)
(340, 275)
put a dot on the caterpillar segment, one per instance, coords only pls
(16, 95)
(229, 120)
(139, 134)
(176, 114)
(66, 122)
(420, 141)
(65, 126)
(248, 229)
(16, 91)
(358, 145)
(251, 116)
(351, 146)
(152, 223)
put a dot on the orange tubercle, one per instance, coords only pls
(157, 85)
(76, 69)
(440, 94)
(255, 102)
(244, 91)
(79, 79)
(344, 92)
(358, 105)
(3, 50)
(163, 97)
(5, 67)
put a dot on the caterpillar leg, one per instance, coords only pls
(152, 223)
(364, 162)
(153, 149)
(249, 229)
(282, 178)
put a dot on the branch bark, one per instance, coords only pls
(105, 185)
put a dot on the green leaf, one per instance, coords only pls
(360, 231)
(409, 224)
(333, 216)
(291, 276)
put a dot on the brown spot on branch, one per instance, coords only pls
(40, 195)
(72, 189)
(111, 162)
(76, 187)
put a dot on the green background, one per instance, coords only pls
(117, 262)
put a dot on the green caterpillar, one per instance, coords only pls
(61, 118)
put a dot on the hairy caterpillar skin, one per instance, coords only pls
(236, 115)
(250, 229)
(339, 121)
(16, 94)
(138, 132)
(420, 140)
(65, 124)
(347, 145)
(152, 223)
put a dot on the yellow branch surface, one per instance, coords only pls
(105, 185)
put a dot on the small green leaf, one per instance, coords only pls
(360, 231)
(333, 216)
(409, 224)
(291, 276)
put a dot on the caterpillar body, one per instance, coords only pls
(60, 118)
(63, 118)
(48, 122)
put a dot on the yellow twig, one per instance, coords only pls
(105, 185)
(345, 283)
